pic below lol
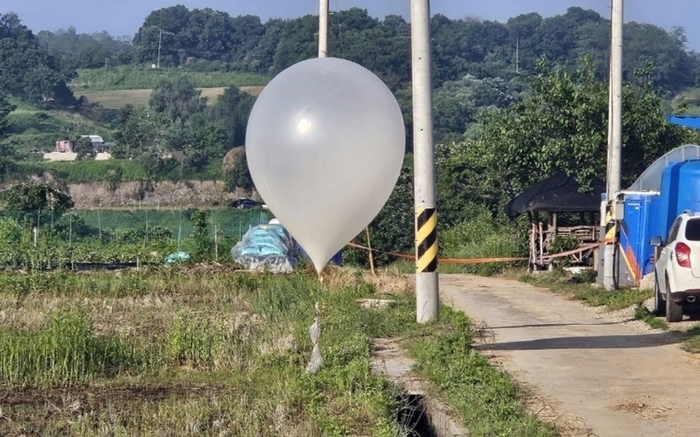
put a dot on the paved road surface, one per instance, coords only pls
(596, 374)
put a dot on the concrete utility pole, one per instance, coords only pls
(427, 294)
(323, 29)
(614, 144)
(160, 38)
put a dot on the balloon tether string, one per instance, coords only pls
(315, 332)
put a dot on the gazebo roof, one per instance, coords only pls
(557, 193)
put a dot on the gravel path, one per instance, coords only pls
(595, 373)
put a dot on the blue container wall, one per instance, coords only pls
(680, 191)
(636, 230)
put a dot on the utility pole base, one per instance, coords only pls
(608, 268)
(427, 297)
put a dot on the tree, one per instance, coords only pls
(238, 174)
(26, 201)
(392, 229)
(26, 70)
(7, 162)
(230, 113)
(457, 103)
(177, 99)
(5, 109)
(84, 149)
(562, 126)
(29, 197)
(141, 133)
(200, 234)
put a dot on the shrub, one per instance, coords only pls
(482, 236)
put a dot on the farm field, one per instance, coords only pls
(204, 350)
(134, 78)
(116, 99)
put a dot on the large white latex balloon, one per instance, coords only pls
(325, 144)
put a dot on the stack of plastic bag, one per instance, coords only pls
(267, 248)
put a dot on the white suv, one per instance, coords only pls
(678, 267)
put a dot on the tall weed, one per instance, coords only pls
(62, 351)
(482, 236)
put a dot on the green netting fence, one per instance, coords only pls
(46, 238)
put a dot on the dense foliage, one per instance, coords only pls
(27, 72)
(95, 50)
(561, 125)
(211, 39)
(178, 127)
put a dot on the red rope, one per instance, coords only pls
(479, 260)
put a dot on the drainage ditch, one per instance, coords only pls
(419, 415)
(412, 419)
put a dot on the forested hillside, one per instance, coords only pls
(207, 39)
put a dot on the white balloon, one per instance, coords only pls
(325, 143)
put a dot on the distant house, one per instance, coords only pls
(98, 144)
(65, 149)
(64, 146)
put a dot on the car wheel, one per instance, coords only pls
(674, 311)
(659, 302)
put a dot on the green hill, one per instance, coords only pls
(35, 130)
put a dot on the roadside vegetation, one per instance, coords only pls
(486, 398)
(581, 287)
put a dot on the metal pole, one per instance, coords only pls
(160, 37)
(615, 143)
(323, 29)
(427, 295)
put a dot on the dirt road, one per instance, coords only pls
(594, 373)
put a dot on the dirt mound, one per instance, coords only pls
(233, 158)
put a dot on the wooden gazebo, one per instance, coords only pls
(569, 211)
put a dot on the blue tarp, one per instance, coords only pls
(693, 122)
(267, 247)
(176, 257)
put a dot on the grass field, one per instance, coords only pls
(116, 99)
(205, 351)
(691, 98)
(134, 78)
(114, 170)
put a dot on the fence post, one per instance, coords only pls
(371, 256)
(216, 246)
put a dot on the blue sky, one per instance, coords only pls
(123, 17)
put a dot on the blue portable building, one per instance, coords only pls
(636, 229)
(667, 188)
(680, 191)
